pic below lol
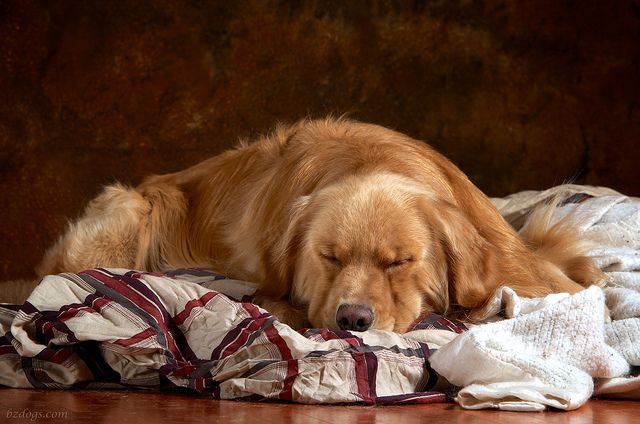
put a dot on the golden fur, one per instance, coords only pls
(324, 213)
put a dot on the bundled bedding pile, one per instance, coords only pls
(194, 329)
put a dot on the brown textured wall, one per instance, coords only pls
(520, 94)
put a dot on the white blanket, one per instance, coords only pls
(561, 350)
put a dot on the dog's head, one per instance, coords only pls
(377, 250)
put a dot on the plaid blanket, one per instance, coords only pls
(120, 328)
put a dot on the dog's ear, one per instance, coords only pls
(472, 262)
(285, 249)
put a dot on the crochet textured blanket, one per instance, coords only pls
(561, 350)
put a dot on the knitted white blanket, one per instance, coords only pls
(560, 350)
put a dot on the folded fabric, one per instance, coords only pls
(114, 328)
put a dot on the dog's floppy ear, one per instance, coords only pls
(472, 262)
(285, 249)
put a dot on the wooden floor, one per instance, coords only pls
(142, 407)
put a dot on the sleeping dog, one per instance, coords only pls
(341, 224)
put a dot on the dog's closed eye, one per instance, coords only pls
(397, 262)
(330, 258)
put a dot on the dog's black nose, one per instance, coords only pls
(354, 317)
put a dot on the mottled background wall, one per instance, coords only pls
(520, 94)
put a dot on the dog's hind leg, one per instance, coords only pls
(107, 235)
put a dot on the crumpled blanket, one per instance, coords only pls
(561, 350)
(114, 328)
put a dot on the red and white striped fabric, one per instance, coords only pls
(120, 328)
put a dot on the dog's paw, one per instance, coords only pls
(284, 312)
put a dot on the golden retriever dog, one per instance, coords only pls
(341, 224)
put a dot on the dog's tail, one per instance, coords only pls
(560, 242)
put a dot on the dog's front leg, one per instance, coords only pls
(284, 312)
